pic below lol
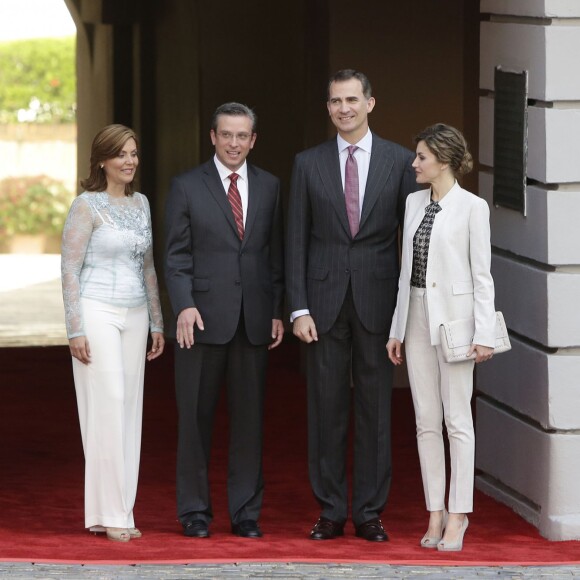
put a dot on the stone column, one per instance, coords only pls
(528, 403)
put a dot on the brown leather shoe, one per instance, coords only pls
(372, 531)
(325, 529)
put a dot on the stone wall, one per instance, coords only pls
(528, 424)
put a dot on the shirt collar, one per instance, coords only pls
(366, 143)
(225, 172)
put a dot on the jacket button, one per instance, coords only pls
(433, 284)
(237, 282)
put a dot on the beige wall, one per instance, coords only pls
(528, 426)
(28, 149)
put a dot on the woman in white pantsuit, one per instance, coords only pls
(445, 275)
(111, 300)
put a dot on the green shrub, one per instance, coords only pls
(32, 205)
(38, 80)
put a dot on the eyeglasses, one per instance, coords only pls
(228, 136)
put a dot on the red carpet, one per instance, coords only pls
(41, 466)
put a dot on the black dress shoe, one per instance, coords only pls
(325, 529)
(247, 529)
(196, 529)
(372, 531)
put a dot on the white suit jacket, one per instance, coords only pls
(458, 280)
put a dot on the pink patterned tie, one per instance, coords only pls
(236, 203)
(351, 190)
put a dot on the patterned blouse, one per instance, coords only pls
(421, 245)
(107, 255)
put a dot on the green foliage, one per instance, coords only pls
(38, 80)
(32, 205)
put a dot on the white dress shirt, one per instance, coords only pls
(242, 182)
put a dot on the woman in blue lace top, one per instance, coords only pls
(111, 300)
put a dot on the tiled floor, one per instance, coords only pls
(278, 571)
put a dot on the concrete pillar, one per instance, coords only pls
(94, 67)
(528, 404)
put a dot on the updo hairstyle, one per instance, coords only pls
(449, 146)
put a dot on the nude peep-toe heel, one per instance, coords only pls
(431, 542)
(120, 535)
(456, 546)
(133, 532)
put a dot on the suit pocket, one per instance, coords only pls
(317, 273)
(200, 284)
(465, 287)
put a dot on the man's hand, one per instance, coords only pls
(305, 329)
(187, 319)
(394, 351)
(79, 348)
(158, 343)
(277, 333)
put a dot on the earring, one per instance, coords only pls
(102, 166)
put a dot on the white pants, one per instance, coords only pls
(440, 390)
(110, 402)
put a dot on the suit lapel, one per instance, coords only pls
(379, 170)
(329, 168)
(254, 201)
(213, 182)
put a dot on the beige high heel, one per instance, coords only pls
(431, 542)
(118, 535)
(135, 533)
(456, 546)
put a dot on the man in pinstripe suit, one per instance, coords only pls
(342, 270)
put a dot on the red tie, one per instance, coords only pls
(236, 203)
(351, 191)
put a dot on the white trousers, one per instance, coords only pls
(440, 391)
(110, 403)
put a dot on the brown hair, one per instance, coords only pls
(108, 143)
(449, 146)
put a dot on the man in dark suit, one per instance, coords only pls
(224, 274)
(347, 202)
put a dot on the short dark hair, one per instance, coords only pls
(449, 146)
(347, 74)
(234, 110)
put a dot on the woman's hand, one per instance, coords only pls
(394, 351)
(79, 348)
(482, 353)
(157, 346)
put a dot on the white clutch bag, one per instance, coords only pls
(457, 338)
